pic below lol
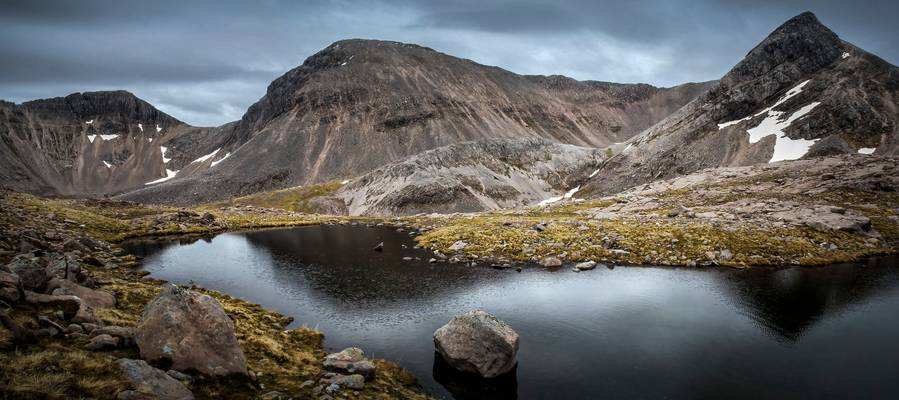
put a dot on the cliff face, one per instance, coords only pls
(361, 104)
(802, 92)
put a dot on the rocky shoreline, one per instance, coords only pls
(808, 212)
(79, 321)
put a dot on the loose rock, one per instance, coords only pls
(150, 382)
(190, 330)
(478, 342)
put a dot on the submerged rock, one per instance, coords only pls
(191, 331)
(478, 342)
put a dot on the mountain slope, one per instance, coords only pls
(93, 143)
(361, 104)
(482, 175)
(801, 92)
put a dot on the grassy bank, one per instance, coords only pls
(59, 368)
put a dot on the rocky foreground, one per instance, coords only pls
(809, 212)
(77, 320)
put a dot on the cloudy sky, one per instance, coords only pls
(205, 62)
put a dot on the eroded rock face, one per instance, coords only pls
(151, 383)
(191, 331)
(478, 342)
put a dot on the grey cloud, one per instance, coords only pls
(206, 61)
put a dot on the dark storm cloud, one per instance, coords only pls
(206, 61)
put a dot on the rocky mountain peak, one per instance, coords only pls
(800, 46)
(117, 107)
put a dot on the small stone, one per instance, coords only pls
(184, 378)
(585, 266)
(308, 383)
(102, 342)
(274, 395)
(379, 247)
(75, 328)
(365, 368)
(551, 262)
(354, 382)
(458, 245)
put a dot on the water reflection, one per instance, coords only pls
(623, 333)
(468, 386)
(790, 301)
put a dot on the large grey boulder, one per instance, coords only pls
(151, 383)
(478, 342)
(191, 331)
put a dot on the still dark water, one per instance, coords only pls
(630, 332)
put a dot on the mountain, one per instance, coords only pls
(360, 104)
(802, 92)
(93, 143)
(482, 175)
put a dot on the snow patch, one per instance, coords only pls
(169, 174)
(785, 148)
(594, 173)
(89, 122)
(158, 129)
(790, 94)
(206, 157)
(214, 163)
(845, 55)
(549, 201)
(163, 149)
(345, 182)
(867, 150)
(108, 165)
(150, 140)
(102, 137)
(567, 195)
(141, 127)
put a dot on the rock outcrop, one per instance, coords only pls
(477, 342)
(189, 331)
(472, 176)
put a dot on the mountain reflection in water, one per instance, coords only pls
(629, 332)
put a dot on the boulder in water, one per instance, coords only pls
(478, 342)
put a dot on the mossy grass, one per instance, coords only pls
(282, 357)
(291, 199)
